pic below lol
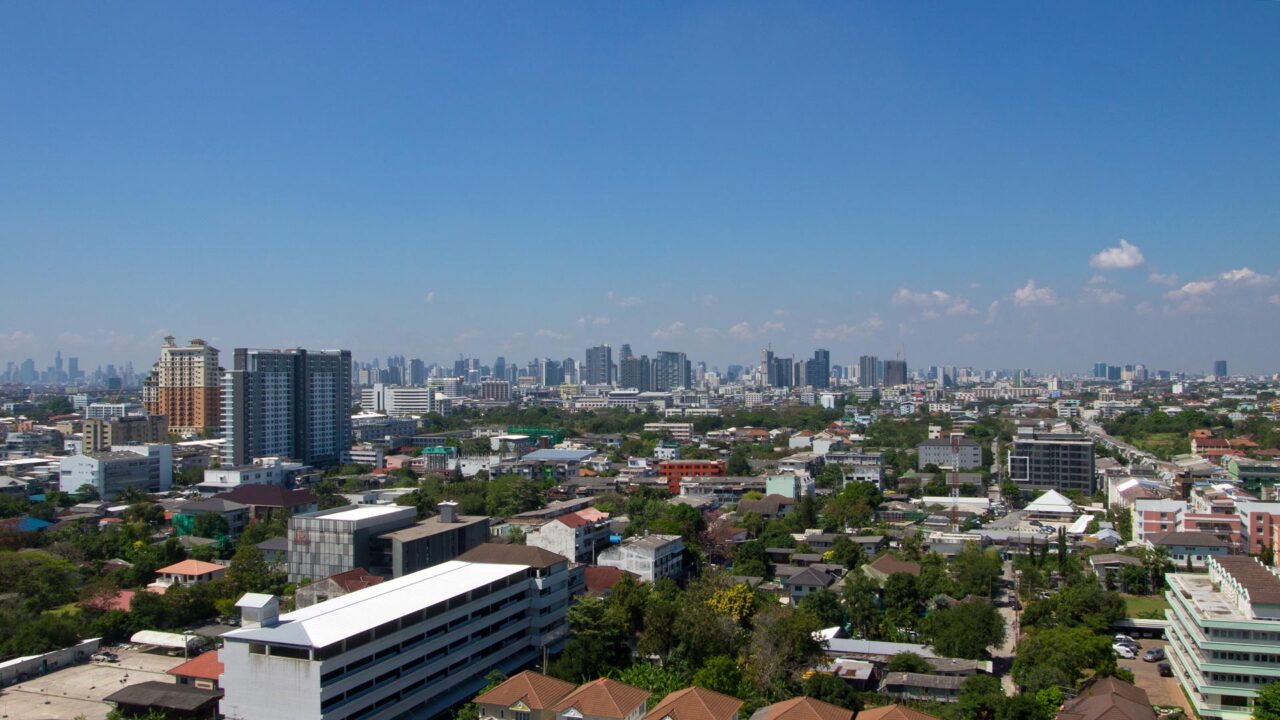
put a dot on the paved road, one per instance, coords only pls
(1002, 657)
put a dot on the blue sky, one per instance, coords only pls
(529, 178)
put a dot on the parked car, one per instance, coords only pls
(1124, 651)
(1166, 670)
(1153, 655)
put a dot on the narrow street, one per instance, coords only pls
(1002, 657)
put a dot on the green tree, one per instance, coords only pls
(249, 571)
(782, 645)
(1267, 705)
(722, 674)
(859, 595)
(510, 495)
(977, 571)
(902, 598)
(87, 493)
(1059, 657)
(980, 698)
(908, 662)
(599, 644)
(825, 606)
(846, 552)
(967, 629)
(210, 525)
(471, 711)
(830, 689)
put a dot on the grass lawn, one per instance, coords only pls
(1141, 606)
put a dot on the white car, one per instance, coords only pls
(1124, 651)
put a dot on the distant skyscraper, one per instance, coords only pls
(500, 368)
(1100, 370)
(1220, 368)
(636, 373)
(417, 372)
(625, 352)
(598, 369)
(671, 370)
(782, 372)
(288, 403)
(895, 373)
(867, 370)
(818, 370)
(73, 368)
(1114, 373)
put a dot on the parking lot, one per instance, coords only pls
(79, 690)
(1146, 675)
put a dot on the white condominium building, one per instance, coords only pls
(406, 648)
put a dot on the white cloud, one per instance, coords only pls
(936, 302)
(1098, 279)
(1143, 308)
(1274, 299)
(745, 331)
(1124, 257)
(624, 300)
(15, 339)
(430, 297)
(781, 313)
(844, 331)
(594, 320)
(1193, 289)
(1163, 278)
(543, 332)
(1102, 296)
(1030, 296)
(706, 300)
(1245, 276)
(674, 330)
(992, 310)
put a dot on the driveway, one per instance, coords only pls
(1146, 675)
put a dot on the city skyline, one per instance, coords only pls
(711, 179)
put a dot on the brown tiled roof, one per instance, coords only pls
(802, 708)
(537, 691)
(890, 564)
(894, 712)
(602, 578)
(353, 580)
(1262, 584)
(205, 666)
(268, 496)
(604, 697)
(512, 555)
(695, 703)
(1109, 699)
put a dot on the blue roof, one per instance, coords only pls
(559, 455)
(26, 523)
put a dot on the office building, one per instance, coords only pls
(636, 373)
(576, 536)
(101, 434)
(495, 390)
(1222, 633)
(108, 411)
(782, 374)
(428, 542)
(817, 372)
(1220, 368)
(1052, 461)
(867, 371)
(146, 467)
(598, 369)
(399, 401)
(671, 371)
(185, 387)
(411, 647)
(287, 403)
(956, 452)
(331, 541)
(895, 373)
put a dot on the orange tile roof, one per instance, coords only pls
(803, 708)
(894, 712)
(191, 567)
(695, 703)
(537, 691)
(606, 698)
(205, 666)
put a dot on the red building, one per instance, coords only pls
(676, 470)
